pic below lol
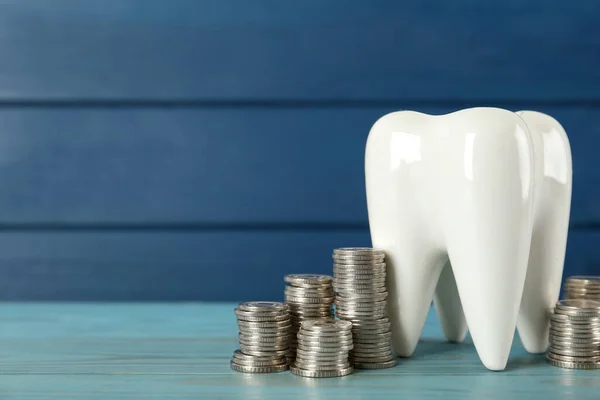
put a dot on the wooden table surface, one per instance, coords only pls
(182, 351)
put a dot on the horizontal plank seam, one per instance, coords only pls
(211, 227)
(286, 103)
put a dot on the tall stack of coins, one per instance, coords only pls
(308, 297)
(582, 287)
(359, 282)
(264, 337)
(323, 347)
(575, 334)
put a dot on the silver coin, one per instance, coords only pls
(262, 317)
(362, 295)
(359, 280)
(340, 261)
(352, 292)
(262, 306)
(573, 343)
(303, 291)
(361, 299)
(360, 304)
(311, 364)
(321, 374)
(558, 319)
(258, 342)
(377, 338)
(367, 331)
(314, 367)
(561, 335)
(258, 337)
(379, 365)
(263, 324)
(321, 360)
(572, 365)
(329, 347)
(359, 251)
(307, 279)
(254, 363)
(312, 314)
(372, 353)
(329, 340)
(310, 300)
(579, 308)
(342, 288)
(324, 338)
(574, 352)
(302, 315)
(258, 370)
(362, 273)
(291, 293)
(371, 360)
(352, 281)
(265, 331)
(310, 286)
(259, 351)
(326, 326)
(238, 353)
(370, 315)
(263, 346)
(371, 347)
(253, 346)
(360, 267)
(354, 311)
(367, 324)
(576, 335)
(574, 359)
(581, 295)
(356, 256)
(582, 289)
(325, 351)
(309, 307)
(584, 279)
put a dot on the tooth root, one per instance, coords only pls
(549, 239)
(411, 278)
(448, 306)
(488, 237)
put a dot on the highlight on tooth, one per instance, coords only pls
(472, 211)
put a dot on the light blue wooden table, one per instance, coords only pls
(182, 351)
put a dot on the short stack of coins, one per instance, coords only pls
(308, 297)
(582, 287)
(323, 347)
(359, 283)
(575, 334)
(264, 337)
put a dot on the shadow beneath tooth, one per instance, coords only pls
(431, 347)
(525, 362)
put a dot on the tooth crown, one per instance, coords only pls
(455, 201)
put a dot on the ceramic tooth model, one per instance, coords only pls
(473, 208)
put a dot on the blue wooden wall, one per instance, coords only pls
(201, 149)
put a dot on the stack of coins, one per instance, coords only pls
(308, 297)
(582, 287)
(359, 283)
(323, 347)
(575, 334)
(264, 337)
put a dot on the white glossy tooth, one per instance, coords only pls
(550, 228)
(458, 186)
(448, 307)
